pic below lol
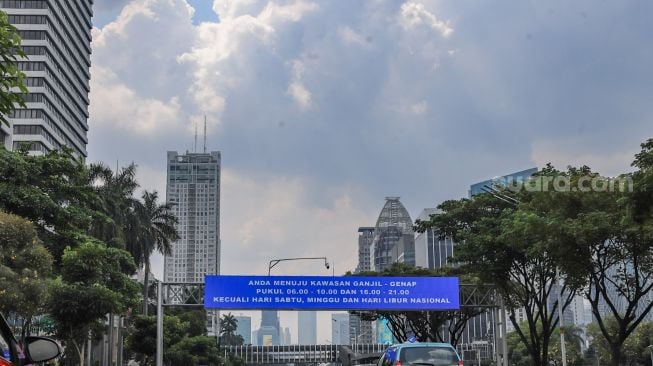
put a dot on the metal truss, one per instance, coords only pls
(192, 294)
(182, 294)
(479, 296)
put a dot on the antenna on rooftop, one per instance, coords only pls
(195, 146)
(205, 133)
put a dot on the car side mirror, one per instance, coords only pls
(40, 349)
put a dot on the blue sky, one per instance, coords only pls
(321, 109)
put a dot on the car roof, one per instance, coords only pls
(422, 344)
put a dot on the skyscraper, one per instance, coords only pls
(307, 329)
(365, 241)
(56, 37)
(431, 251)
(512, 180)
(287, 339)
(193, 190)
(340, 328)
(361, 331)
(394, 239)
(269, 333)
(244, 328)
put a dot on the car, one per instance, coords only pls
(424, 354)
(37, 349)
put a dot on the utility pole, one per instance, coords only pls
(563, 350)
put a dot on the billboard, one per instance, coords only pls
(331, 293)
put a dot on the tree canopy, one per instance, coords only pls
(11, 78)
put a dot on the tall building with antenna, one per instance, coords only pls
(193, 190)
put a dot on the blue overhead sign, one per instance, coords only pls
(331, 293)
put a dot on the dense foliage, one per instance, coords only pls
(11, 77)
(84, 235)
(535, 243)
(426, 326)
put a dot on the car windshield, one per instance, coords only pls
(437, 356)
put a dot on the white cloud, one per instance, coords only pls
(415, 14)
(117, 107)
(420, 107)
(277, 218)
(306, 99)
(350, 36)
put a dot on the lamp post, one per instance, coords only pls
(274, 262)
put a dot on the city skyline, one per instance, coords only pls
(303, 138)
(433, 101)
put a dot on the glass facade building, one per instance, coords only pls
(56, 37)
(509, 180)
(307, 327)
(244, 328)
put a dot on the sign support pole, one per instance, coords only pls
(159, 324)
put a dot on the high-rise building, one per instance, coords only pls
(431, 251)
(287, 339)
(394, 239)
(340, 328)
(307, 327)
(361, 331)
(269, 333)
(255, 338)
(56, 37)
(193, 190)
(510, 181)
(365, 241)
(244, 328)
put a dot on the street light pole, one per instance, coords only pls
(274, 262)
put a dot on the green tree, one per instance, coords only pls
(603, 245)
(195, 318)
(152, 227)
(636, 349)
(11, 78)
(51, 191)
(142, 337)
(25, 265)
(94, 281)
(228, 327)
(424, 325)
(115, 190)
(193, 351)
(500, 243)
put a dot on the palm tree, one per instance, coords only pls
(116, 190)
(228, 327)
(152, 227)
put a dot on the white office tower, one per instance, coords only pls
(340, 328)
(56, 37)
(193, 190)
(307, 327)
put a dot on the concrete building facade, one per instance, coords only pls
(340, 328)
(56, 37)
(193, 190)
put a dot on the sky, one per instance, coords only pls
(323, 108)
